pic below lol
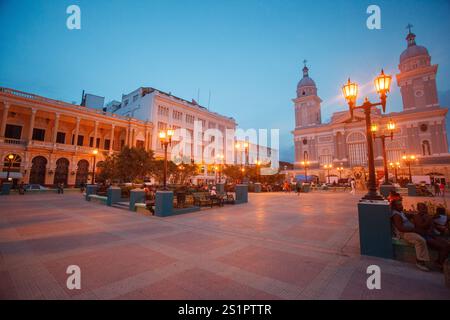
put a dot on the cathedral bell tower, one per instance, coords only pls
(417, 77)
(307, 103)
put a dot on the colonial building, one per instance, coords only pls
(198, 130)
(420, 126)
(53, 141)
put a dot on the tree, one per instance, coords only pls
(133, 163)
(232, 172)
(127, 165)
(184, 173)
(157, 171)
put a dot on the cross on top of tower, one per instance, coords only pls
(409, 26)
(305, 69)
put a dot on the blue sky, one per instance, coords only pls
(248, 53)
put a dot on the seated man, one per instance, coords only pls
(440, 221)
(406, 230)
(424, 223)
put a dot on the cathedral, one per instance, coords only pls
(419, 128)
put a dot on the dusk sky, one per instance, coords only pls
(248, 53)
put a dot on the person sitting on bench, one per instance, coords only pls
(424, 223)
(406, 230)
(440, 221)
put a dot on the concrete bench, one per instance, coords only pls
(97, 198)
(141, 208)
(404, 251)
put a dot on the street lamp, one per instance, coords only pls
(305, 164)
(166, 140)
(328, 167)
(350, 91)
(395, 166)
(408, 159)
(10, 158)
(220, 159)
(240, 147)
(258, 169)
(390, 126)
(181, 168)
(243, 147)
(340, 169)
(94, 152)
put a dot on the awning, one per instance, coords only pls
(12, 175)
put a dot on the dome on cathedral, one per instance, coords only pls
(306, 86)
(306, 82)
(413, 49)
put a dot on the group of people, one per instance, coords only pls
(422, 230)
(439, 189)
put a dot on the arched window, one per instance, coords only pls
(38, 169)
(61, 171)
(357, 149)
(14, 162)
(426, 150)
(82, 173)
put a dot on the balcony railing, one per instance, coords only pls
(14, 141)
(34, 97)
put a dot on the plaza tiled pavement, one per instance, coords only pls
(278, 246)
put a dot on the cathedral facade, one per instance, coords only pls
(420, 127)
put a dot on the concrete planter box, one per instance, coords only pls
(375, 231)
(6, 188)
(241, 193)
(306, 187)
(385, 189)
(412, 190)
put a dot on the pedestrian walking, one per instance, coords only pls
(353, 186)
(21, 188)
(437, 189)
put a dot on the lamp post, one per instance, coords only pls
(350, 91)
(220, 159)
(10, 158)
(305, 163)
(243, 147)
(328, 167)
(395, 166)
(258, 169)
(340, 169)
(94, 152)
(390, 129)
(165, 136)
(408, 159)
(181, 168)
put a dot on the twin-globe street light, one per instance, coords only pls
(408, 159)
(305, 163)
(395, 166)
(328, 167)
(165, 136)
(387, 134)
(243, 146)
(350, 91)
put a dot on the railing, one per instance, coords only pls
(38, 143)
(34, 97)
(14, 141)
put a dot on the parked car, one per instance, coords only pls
(31, 187)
